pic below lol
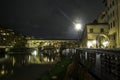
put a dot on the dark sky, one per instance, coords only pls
(48, 18)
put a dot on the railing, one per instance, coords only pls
(104, 64)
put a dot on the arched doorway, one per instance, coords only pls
(102, 41)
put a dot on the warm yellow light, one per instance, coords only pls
(89, 44)
(105, 43)
(34, 53)
(45, 59)
(13, 61)
(2, 72)
(45, 44)
(94, 42)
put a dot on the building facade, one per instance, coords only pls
(9, 38)
(6, 37)
(112, 8)
(95, 36)
(109, 19)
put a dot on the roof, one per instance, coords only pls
(97, 24)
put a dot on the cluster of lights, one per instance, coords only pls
(105, 43)
(94, 42)
(91, 43)
(34, 53)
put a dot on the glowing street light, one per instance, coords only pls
(78, 27)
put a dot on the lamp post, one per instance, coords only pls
(78, 28)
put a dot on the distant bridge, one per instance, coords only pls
(56, 43)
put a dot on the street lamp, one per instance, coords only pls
(78, 28)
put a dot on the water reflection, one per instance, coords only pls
(17, 59)
(3, 71)
(6, 68)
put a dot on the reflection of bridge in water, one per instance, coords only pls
(102, 64)
(18, 57)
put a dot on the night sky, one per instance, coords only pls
(49, 19)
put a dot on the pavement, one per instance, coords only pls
(28, 72)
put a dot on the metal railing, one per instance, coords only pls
(104, 64)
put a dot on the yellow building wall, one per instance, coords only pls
(92, 37)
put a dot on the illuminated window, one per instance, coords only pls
(7, 33)
(1, 30)
(3, 33)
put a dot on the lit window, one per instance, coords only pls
(3, 33)
(7, 33)
(1, 30)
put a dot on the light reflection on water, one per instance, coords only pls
(18, 57)
(4, 70)
(11, 62)
(7, 65)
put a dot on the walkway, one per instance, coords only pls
(29, 72)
